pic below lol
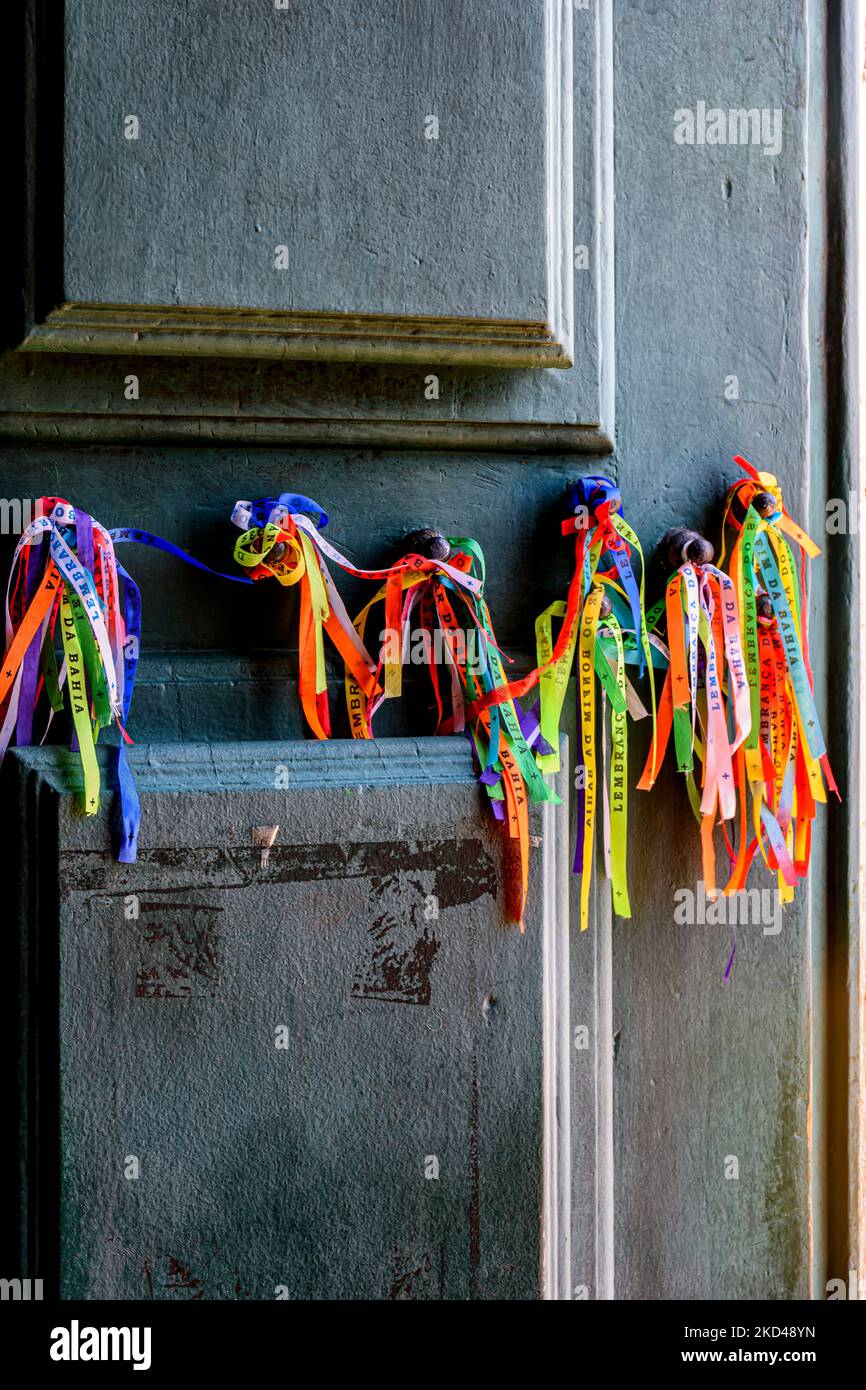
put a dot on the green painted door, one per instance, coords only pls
(426, 263)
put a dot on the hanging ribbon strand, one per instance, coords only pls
(73, 635)
(434, 604)
(783, 756)
(443, 593)
(705, 696)
(281, 539)
(602, 624)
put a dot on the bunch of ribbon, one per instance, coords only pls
(603, 620)
(66, 582)
(738, 693)
(603, 623)
(705, 696)
(783, 754)
(281, 538)
(434, 601)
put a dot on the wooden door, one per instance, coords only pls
(427, 263)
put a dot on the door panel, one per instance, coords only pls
(730, 338)
(255, 216)
(231, 160)
(337, 1075)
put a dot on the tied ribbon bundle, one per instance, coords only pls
(453, 628)
(66, 582)
(281, 540)
(604, 643)
(705, 697)
(783, 754)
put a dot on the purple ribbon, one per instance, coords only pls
(30, 664)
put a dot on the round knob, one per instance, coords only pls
(606, 607)
(427, 542)
(682, 545)
(764, 605)
(698, 550)
(277, 552)
(764, 503)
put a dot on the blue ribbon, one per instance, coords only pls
(127, 808)
(629, 583)
(127, 805)
(129, 533)
(809, 721)
(592, 492)
(261, 508)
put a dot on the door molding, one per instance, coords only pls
(240, 376)
(167, 331)
(58, 324)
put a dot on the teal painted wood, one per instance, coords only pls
(274, 148)
(314, 402)
(720, 272)
(393, 1148)
(712, 281)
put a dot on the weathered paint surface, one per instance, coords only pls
(717, 275)
(264, 147)
(399, 255)
(321, 1078)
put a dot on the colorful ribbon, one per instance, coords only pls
(705, 696)
(452, 630)
(738, 693)
(783, 756)
(65, 583)
(281, 540)
(606, 549)
(438, 610)
(606, 552)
